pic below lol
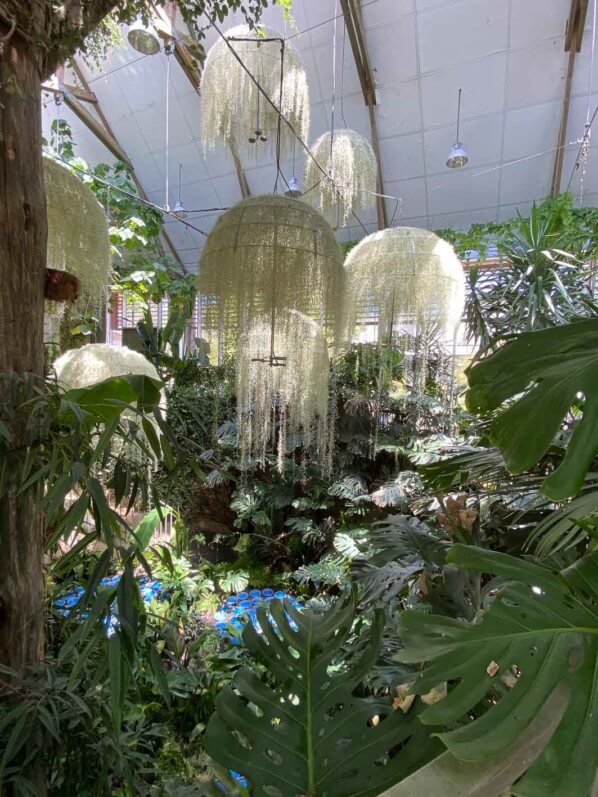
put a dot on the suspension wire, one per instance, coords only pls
(344, 121)
(168, 52)
(136, 197)
(333, 102)
(282, 116)
(279, 121)
(585, 149)
(583, 143)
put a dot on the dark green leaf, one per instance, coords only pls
(551, 367)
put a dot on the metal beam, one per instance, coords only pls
(573, 42)
(354, 24)
(105, 134)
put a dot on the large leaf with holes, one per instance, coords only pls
(539, 632)
(550, 368)
(302, 731)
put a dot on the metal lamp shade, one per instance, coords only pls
(458, 156)
(294, 189)
(143, 38)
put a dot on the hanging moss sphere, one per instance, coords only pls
(97, 362)
(267, 255)
(233, 109)
(408, 273)
(351, 163)
(78, 236)
(283, 405)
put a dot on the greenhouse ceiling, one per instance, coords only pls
(509, 57)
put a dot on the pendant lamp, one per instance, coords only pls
(78, 235)
(143, 38)
(457, 156)
(283, 406)
(349, 161)
(266, 255)
(235, 112)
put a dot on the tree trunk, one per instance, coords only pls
(22, 270)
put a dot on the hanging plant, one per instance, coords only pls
(404, 274)
(233, 109)
(266, 255)
(349, 160)
(99, 361)
(282, 390)
(78, 239)
(413, 282)
(96, 362)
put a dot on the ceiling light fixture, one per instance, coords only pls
(293, 189)
(143, 38)
(179, 209)
(457, 156)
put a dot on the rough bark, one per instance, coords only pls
(22, 275)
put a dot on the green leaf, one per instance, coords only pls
(445, 776)
(550, 367)
(144, 531)
(540, 631)
(309, 734)
(115, 669)
(158, 671)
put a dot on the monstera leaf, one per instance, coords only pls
(309, 735)
(540, 633)
(550, 367)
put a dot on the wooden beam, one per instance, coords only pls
(73, 91)
(573, 42)
(243, 184)
(354, 24)
(164, 22)
(105, 130)
(576, 24)
(97, 129)
(190, 59)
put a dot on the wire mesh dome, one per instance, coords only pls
(96, 362)
(404, 272)
(266, 255)
(350, 161)
(283, 404)
(234, 111)
(78, 236)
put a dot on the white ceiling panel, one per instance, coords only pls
(403, 157)
(149, 172)
(412, 194)
(536, 74)
(462, 220)
(529, 179)
(534, 20)
(399, 109)
(467, 30)
(461, 190)
(392, 48)
(531, 130)
(483, 84)
(428, 5)
(380, 13)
